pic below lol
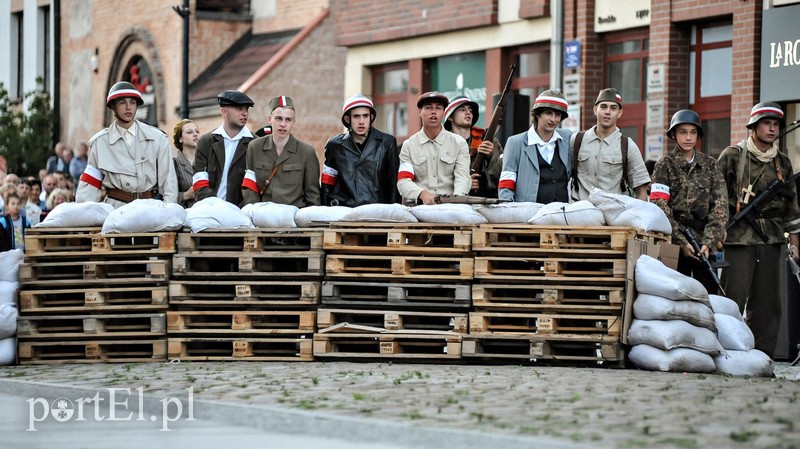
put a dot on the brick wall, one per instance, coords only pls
(579, 24)
(369, 21)
(746, 64)
(289, 15)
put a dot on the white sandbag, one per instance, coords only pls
(271, 215)
(389, 213)
(673, 334)
(216, 213)
(624, 210)
(675, 360)
(8, 320)
(448, 213)
(753, 363)
(320, 215)
(734, 334)
(654, 278)
(76, 215)
(509, 212)
(9, 265)
(725, 306)
(8, 351)
(579, 213)
(145, 216)
(8, 292)
(651, 307)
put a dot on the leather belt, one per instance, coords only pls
(127, 197)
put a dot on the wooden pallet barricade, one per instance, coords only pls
(527, 269)
(240, 322)
(249, 240)
(283, 264)
(383, 295)
(106, 272)
(91, 326)
(80, 242)
(545, 323)
(82, 300)
(568, 349)
(399, 267)
(239, 349)
(196, 293)
(417, 347)
(393, 320)
(93, 351)
(390, 240)
(523, 297)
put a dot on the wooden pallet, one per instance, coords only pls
(420, 241)
(545, 323)
(66, 242)
(398, 267)
(527, 269)
(266, 264)
(327, 319)
(569, 349)
(238, 349)
(395, 295)
(92, 351)
(71, 272)
(91, 326)
(417, 347)
(233, 294)
(283, 239)
(569, 241)
(524, 297)
(82, 300)
(240, 323)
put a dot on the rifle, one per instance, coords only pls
(466, 199)
(687, 232)
(748, 213)
(494, 123)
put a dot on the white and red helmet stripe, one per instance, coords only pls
(552, 100)
(124, 93)
(767, 109)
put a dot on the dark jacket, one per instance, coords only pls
(7, 232)
(352, 177)
(210, 157)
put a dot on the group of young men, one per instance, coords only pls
(130, 160)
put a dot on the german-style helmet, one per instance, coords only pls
(123, 89)
(684, 117)
(357, 101)
(765, 109)
(455, 103)
(552, 99)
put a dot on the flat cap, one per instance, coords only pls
(432, 97)
(234, 98)
(281, 101)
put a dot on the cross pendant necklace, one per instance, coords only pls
(748, 192)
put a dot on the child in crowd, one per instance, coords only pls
(12, 225)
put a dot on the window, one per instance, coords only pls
(390, 95)
(626, 56)
(533, 71)
(710, 83)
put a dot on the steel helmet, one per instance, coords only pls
(552, 99)
(684, 117)
(455, 103)
(123, 89)
(358, 101)
(766, 109)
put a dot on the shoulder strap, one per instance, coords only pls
(623, 148)
(576, 146)
(740, 175)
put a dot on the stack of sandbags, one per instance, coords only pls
(320, 215)
(216, 213)
(77, 215)
(145, 215)
(271, 215)
(510, 212)
(623, 210)
(739, 358)
(458, 214)
(9, 284)
(674, 327)
(579, 213)
(381, 213)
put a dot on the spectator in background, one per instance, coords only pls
(26, 208)
(11, 178)
(61, 179)
(78, 164)
(55, 162)
(57, 197)
(42, 174)
(36, 191)
(12, 225)
(5, 189)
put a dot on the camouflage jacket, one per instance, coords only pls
(780, 215)
(697, 196)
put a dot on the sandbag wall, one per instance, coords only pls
(245, 295)
(88, 297)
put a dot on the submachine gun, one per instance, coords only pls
(776, 187)
(687, 232)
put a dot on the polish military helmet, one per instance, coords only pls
(684, 117)
(552, 99)
(123, 89)
(766, 109)
(357, 101)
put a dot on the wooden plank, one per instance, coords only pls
(240, 323)
(249, 240)
(416, 347)
(92, 351)
(91, 326)
(390, 240)
(235, 294)
(101, 299)
(545, 323)
(266, 264)
(57, 242)
(395, 295)
(394, 320)
(398, 267)
(531, 297)
(239, 349)
(562, 349)
(526, 269)
(79, 271)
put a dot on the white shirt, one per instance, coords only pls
(230, 149)
(546, 149)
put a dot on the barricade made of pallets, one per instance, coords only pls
(150, 325)
(273, 264)
(241, 349)
(82, 242)
(561, 322)
(249, 240)
(92, 351)
(390, 240)
(527, 269)
(398, 267)
(393, 346)
(79, 271)
(524, 297)
(382, 295)
(239, 323)
(333, 320)
(236, 294)
(101, 299)
(567, 349)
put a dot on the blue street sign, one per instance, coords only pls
(572, 54)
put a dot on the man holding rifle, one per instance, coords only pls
(756, 173)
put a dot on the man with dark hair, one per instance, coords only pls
(360, 164)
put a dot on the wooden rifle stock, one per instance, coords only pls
(494, 123)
